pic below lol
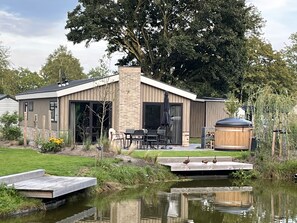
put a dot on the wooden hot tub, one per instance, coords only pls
(233, 134)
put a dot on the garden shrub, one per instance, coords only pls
(52, 146)
(9, 128)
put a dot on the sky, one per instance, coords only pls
(33, 29)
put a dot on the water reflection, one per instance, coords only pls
(196, 202)
(181, 204)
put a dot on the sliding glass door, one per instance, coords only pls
(152, 115)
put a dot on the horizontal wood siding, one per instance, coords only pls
(151, 94)
(8, 105)
(102, 93)
(214, 111)
(197, 118)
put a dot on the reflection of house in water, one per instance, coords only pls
(235, 202)
(177, 206)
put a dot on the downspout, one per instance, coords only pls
(58, 121)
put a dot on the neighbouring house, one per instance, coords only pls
(8, 104)
(128, 99)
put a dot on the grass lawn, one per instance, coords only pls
(20, 160)
(173, 153)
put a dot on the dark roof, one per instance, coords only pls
(55, 87)
(2, 96)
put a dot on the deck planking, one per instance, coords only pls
(223, 164)
(42, 186)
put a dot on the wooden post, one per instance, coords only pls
(273, 143)
(272, 206)
(49, 123)
(280, 144)
(43, 127)
(35, 129)
(25, 128)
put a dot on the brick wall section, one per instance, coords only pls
(129, 98)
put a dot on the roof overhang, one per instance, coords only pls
(209, 100)
(168, 88)
(70, 90)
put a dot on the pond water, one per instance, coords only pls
(199, 201)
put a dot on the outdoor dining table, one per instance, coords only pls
(141, 138)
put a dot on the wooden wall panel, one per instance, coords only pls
(214, 111)
(197, 118)
(151, 94)
(100, 93)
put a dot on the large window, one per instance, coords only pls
(54, 111)
(152, 119)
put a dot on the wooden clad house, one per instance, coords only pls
(133, 102)
(205, 112)
(8, 104)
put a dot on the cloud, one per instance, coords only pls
(280, 16)
(31, 42)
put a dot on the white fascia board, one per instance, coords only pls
(70, 90)
(168, 88)
(87, 86)
(209, 100)
(37, 96)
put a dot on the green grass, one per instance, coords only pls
(11, 201)
(20, 160)
(195, 140)
(172, 153)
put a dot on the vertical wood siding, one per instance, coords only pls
(214, 112)
(197, 118)
(151, 94)
(100, 93)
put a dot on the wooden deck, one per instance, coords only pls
(36, 184)
(223, 164)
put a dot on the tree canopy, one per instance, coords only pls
(266, 68)
(290, 53)
(61, 60)
(21, 80)
(4, 63)
(196, 44)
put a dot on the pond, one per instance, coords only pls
(199, 201)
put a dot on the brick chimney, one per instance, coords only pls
(129, 98)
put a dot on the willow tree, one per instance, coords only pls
(190, 43)
(274, 117)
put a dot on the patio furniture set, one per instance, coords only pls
(143, 138)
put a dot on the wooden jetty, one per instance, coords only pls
(38, 185)
(223, 163)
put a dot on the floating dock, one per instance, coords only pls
(37, 185)
(223, 164)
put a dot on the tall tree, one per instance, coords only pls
(266, 68)
(61, 61)
(183, 42)
(290, 53)
(4, 64)
(102, 69)
(21, 80)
